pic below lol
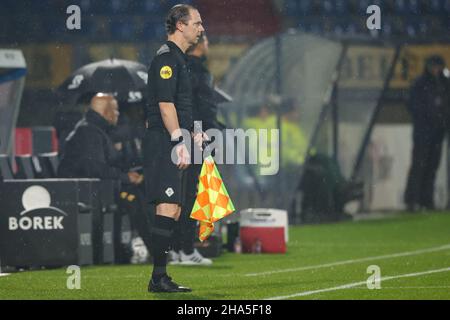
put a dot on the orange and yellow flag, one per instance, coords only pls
(213, 202)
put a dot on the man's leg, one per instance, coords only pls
(164, 189)
(188, 225)
(415, 178)
(166, 216)
(431, 167)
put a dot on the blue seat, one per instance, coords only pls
(446, 6)
(342, 7)
(387, 27)
(412, 28)
(414, 7)
(123, 29)
(328, 7)
(295, 8)
(154, 30)
(103, 7)
(400, 7)
(153, 7)
(363, 5)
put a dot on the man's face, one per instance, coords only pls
(194, 28)
(112, 112)
(437, 70)
(205, 45)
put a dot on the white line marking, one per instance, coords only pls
(403, 288)
(356, 284)
(340, 263)
(4, 274)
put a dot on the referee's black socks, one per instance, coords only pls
(161, 239)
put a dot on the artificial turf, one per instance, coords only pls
(319, 256)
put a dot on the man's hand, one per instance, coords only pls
(199, 138)
(135, 178)
(184, 159)
(118, 146)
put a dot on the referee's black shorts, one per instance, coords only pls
(164, 182)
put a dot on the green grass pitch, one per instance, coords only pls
(323, 262)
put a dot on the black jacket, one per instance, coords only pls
(204, 109)
(89, 151)
(429, 102)
(130, 136)
(168, 81)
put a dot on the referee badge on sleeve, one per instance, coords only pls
(166, 72)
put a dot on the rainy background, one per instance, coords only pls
(313, 69)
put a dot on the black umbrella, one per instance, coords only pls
(126, 79)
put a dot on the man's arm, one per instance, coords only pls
(92, 160)
(170, 119)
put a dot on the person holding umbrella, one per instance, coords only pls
(127, 80)
(168, 111)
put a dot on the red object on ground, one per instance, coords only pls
(54, 141)
(271, 238)
(23, 141)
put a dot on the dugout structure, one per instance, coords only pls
(332, 90)
(12, 81)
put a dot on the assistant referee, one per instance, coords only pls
(169, 109)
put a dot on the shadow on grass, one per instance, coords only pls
(186, 296)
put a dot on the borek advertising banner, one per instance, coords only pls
(40, 224)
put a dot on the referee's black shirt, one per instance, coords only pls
(169, 81)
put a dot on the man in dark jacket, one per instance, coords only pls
(429, 108)
(89, 152)
(127, 137)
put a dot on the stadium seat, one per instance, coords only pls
(400, 7)
(24, 167)
(342, 7)
(446, 7)
(414, 7)
(101, 7)
(154, 30)
(363, 5)
(386, 27)
(5, 167)
(295, 8)
(45, 165)
(124, 29)
(328, 7)
(153, 7)
(433, 6)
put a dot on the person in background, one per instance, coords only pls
(429, 109)
(89, 152)
(127, 137)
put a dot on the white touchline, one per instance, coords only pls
(339, 263)
(356, 284)
(4, 274)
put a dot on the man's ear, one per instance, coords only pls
(180, 26)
